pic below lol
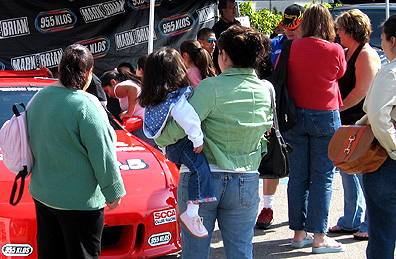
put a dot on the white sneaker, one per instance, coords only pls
(193, 225)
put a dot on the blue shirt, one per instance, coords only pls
(276, 48)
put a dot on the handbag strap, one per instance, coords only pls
(22, 174)
(15, 109)
(284, 57)
(273, 106)
(278, 134)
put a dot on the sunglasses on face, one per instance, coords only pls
(211, 41)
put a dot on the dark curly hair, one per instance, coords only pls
(164, 73)
(244, 46)
(265, 67)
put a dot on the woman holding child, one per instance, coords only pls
(235, 112)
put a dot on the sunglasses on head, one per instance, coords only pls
(211, 41)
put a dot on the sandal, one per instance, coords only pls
(338, 230)
(308, 240)
(361, 235)
(332, 247)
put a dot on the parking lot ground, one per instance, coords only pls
(275, 242)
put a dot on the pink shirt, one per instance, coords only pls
(195, 76)
(313, 70)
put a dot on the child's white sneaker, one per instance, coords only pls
(193, 225)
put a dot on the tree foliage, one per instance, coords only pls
(264, 20)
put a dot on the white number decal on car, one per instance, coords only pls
(133, 164)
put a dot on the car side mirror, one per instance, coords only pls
(132, 123)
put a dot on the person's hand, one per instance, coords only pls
(112, 205)
(198, 149)
(125, 115)
(279, 30)
(49, 73)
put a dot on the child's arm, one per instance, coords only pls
(184, 114)
(203, 102)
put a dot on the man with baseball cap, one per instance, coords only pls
(291, 20)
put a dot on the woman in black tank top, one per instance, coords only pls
(354, 29)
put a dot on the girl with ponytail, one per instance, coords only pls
(197, 60)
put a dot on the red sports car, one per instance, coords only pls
(143, 226)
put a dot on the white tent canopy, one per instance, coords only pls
(387, 9)
(151, 27)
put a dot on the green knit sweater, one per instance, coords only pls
(235, 112)
(72, 142)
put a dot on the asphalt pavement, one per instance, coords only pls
(275, 241)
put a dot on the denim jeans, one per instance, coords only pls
(353, 203)
(200, 188)
(311, 171)
(235, 210)
(380, 188)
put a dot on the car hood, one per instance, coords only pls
(142, 167)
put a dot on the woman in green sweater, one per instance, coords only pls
(235, 112)
(75, 173)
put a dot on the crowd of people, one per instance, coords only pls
(207, 106)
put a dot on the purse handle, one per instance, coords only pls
(278, 135)
(273, 107)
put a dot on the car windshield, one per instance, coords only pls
(11, 95)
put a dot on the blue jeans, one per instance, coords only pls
(353, 203)
(200, 188)
(311, 171)
(236, 209)
(380, 188)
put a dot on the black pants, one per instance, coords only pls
(70, 234)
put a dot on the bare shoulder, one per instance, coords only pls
(368, 54)
(368, 58)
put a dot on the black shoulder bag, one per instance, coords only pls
(275, 164)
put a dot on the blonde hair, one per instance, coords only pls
(355, 23)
